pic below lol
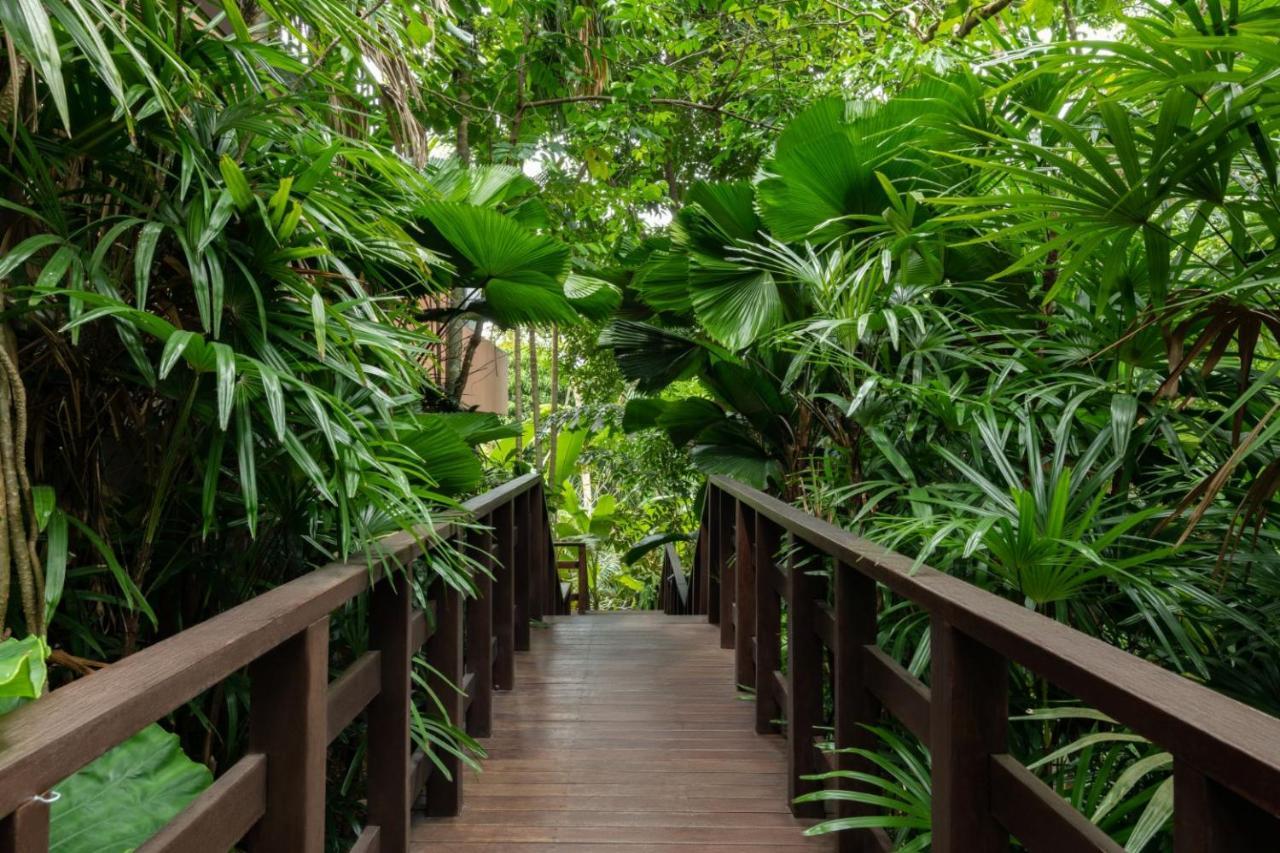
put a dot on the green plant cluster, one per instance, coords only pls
(1017, 320)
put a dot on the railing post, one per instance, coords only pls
(968, 723)
(389, 798)
(584, 588)
(537, 555)
(854, 603)
(768, 651)
(701, 583)
(522, 568)
(666, 585)
(288, 701)
(711, 554)
(804, 683)
(1209, 818)
(745, 595)
(27, 829)
(444, 654)
(504, 597)
(728, 586)
(480, 635)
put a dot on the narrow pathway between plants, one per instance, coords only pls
(625, 731)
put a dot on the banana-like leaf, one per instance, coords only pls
(119, 800)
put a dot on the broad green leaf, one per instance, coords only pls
(120, 799)
(22, 669)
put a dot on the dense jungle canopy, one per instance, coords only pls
(991, 284)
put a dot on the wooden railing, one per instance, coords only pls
(273, 797)
(1226, 755)
(568, 593)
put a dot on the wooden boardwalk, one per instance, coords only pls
(625, 731)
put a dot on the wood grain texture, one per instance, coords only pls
(627, 731)
(443, 653)
(767, 643)
(288, 702)
(27, 829)
(1230, 742)
(391, 634)
(504, 597)
(968, 723)
(853, 628)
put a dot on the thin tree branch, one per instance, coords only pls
(669, 102)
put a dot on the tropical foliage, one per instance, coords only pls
(1017, 320)
(222, 237)
(988, 283)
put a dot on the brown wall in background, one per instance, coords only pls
(486, 388)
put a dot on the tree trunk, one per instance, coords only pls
(535, 401)
(555, 394)
(519, 386)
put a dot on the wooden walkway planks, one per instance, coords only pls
(625, 731)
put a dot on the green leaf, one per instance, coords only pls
(22, 669)
(148, 237)
(238, 26)
(133, 596)
(447, 457)
(652, 542)
(44, 502)
(125, 795)
(495, 246)
(174, 348)
(1154, 817)
(225, 367)
(237, 183)
(245, 439)
(55, 564)
(734, 302)
(652, 356)
(28, 24)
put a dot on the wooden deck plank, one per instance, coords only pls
(625, 731)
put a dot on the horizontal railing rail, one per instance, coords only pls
(273, 797)
(1226, 755)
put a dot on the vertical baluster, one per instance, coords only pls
(745, 595)
(968, 723)
(1209, 818)
(27, 829)
(728, 585)
(444, 654)
(804, 680)
(504, 598)
(480, 634)
(522, 568)
(768, 539)
(288, 701)
(855, 616)
(389, 798)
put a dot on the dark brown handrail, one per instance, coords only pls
(276, 793)
(1226, 754)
